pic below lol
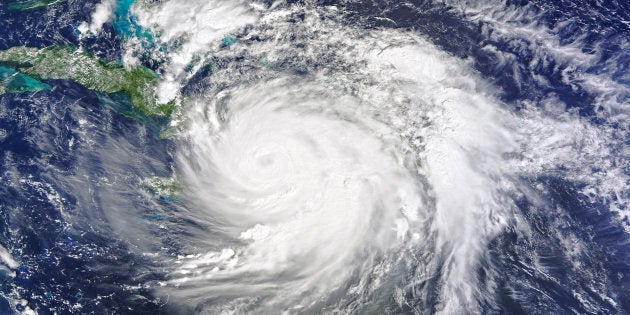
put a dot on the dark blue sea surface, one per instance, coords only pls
(60, 148)
(66, 154)
(56, 24)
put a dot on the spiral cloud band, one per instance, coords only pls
(305, 187)
(328, 168)
(314, 157)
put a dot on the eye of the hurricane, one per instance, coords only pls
(309, 198)
(266, 160)
(265, 164)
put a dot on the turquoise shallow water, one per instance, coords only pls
(125, 23)
(19, 82)
(73, 162)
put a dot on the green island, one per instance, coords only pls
(31, 4)
(165, 188)
(23, 67)
(12, 81)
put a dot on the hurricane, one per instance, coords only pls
(314, 157)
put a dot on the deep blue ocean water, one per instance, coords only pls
(57, 145)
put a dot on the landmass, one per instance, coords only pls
(23, 68)
(31, 5)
